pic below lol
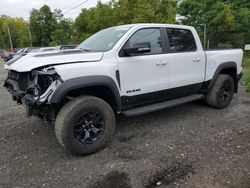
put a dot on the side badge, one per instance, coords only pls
(133, 91)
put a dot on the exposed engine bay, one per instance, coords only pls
(33, 90)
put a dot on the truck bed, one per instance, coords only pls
(215, 57)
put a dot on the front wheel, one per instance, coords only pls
(221, 94)
(85, 125)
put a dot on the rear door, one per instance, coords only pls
(186, 63)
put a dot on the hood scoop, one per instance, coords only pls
(62, 52)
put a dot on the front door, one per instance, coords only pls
(143, 75)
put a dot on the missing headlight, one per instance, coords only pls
(44, 81)
(45, 78)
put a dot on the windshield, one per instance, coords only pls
(104, 40)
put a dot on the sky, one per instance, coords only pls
(22, 8)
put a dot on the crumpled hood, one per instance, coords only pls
(36, 60)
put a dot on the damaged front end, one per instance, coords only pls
(33, 90)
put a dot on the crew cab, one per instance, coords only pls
(130, 70)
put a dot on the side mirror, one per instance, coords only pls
(138, 48)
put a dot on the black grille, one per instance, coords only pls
(21, 78)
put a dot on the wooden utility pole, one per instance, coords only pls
(205, 35)
(30, 38)
(11, 45)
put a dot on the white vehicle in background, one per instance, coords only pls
(130, 70)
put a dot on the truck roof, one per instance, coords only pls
(156, 25)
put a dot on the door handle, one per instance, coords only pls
(196, 60)
(161, 63)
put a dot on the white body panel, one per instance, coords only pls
(106, 67)
(136, 72)
(143, 73)
(216, 57)
(35, 60)
(186, 68)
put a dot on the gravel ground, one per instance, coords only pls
(186, 146)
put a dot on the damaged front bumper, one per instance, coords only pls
(26, 92)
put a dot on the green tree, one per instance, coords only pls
(118, 12)
(149, 11)
(42, 24)
(167, 11)
(94, 19)
(226, 21)
(82, 24)
(18, 29)
(3, 43)
(63, 32)
(35, 26)
(63, 29)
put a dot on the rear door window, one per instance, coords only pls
(180, 40)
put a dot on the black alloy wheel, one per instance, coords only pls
(89, 127)
(225, 92)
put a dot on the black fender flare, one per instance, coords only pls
(220, 68)
(87, 81)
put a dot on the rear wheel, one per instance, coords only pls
(221, 94)
(85, 125)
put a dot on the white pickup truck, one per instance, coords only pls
(130, 70)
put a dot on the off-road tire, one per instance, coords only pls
(214, 97)
(66, 118)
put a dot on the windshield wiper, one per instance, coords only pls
(86, 49)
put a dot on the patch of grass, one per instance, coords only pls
(246, 72)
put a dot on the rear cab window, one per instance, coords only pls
(180, 40)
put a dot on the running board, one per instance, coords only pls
(162, 105)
